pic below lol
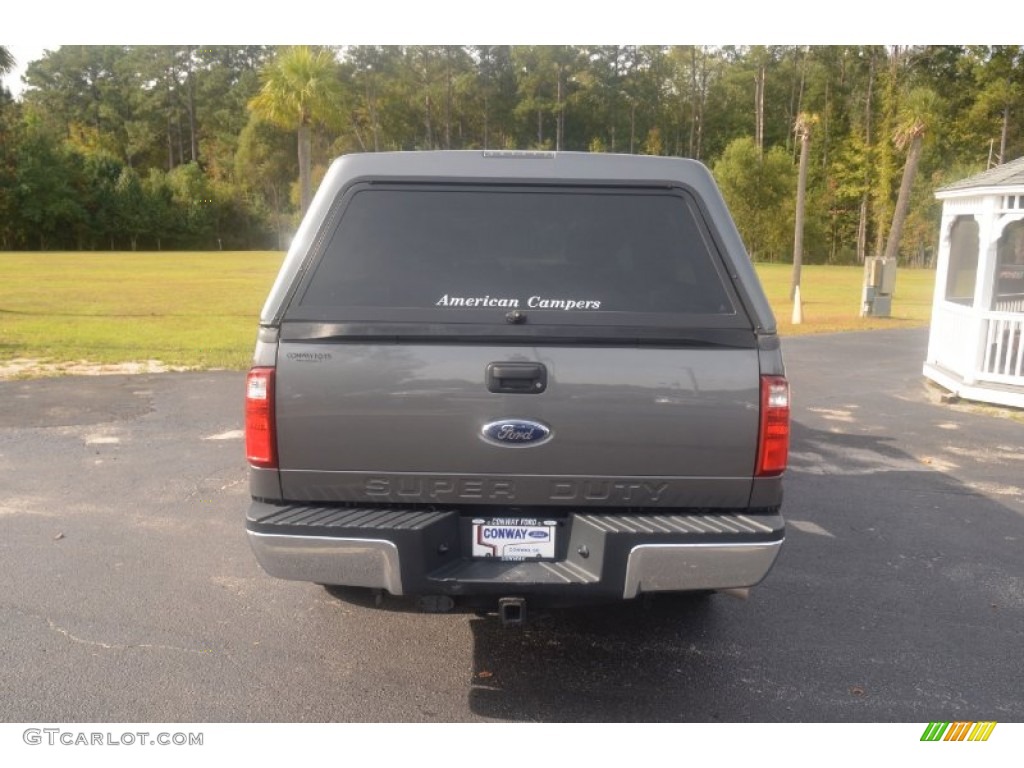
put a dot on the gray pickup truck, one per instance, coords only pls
(500, 377)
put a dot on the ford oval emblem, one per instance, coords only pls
(515, 432)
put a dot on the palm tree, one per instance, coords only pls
(6, 60)
(919, 112)
(804, 122)
(301, 87)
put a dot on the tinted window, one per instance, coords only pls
(556, 250)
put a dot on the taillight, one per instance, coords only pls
(773, 445)
(260, 440)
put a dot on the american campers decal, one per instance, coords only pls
(504, 302)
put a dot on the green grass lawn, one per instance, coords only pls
(830, 298)
(199, 310)
(184, 309)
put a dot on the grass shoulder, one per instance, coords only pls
(192, 310)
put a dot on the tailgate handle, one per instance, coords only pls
(517, 378)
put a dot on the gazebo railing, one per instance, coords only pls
(1003, 361)
(984, 347)
(1011, 303)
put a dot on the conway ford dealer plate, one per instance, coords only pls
(514, 539)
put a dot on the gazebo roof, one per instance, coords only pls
(1009, 174)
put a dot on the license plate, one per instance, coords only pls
(513, 539)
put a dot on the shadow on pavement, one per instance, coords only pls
(594, 664)
(898, 596)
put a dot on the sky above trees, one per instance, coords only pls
(407, 22)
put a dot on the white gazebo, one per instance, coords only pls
(976, 344)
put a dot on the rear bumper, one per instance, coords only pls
(680, 567)
(601, 556)
(330, 560)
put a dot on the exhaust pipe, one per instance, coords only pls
(512, 611)
(741, 593)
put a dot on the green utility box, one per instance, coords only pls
(879, 286)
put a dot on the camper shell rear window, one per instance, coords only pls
(535, 254)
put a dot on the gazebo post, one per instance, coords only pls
(984, 281)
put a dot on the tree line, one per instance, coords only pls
(161, 147)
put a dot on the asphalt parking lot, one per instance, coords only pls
(128, 591)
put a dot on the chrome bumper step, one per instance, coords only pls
(417, 551)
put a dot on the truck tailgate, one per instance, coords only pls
(630, 426)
